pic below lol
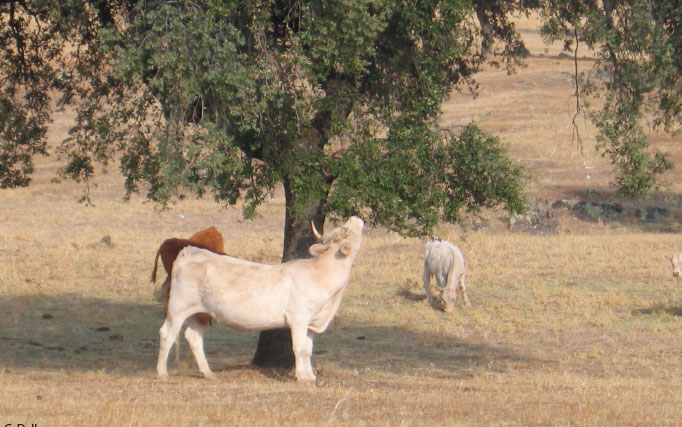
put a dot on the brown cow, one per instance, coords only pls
(210, 239)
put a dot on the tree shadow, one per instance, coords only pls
(409, 295)
(412, 296)
(80, 334)
(75, 333)
(658, 309)
(395, 350)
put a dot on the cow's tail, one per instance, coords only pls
(156, 263)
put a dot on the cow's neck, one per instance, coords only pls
(335, 267)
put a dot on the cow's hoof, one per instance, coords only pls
(163, 377)
(306, 382)
(210, 376)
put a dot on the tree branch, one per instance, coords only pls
(575, 137)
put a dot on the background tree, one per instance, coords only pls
(337, 100)
(639, 55)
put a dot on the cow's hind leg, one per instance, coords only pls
(462, 288)
(194, 334)
(168, 335)
(161, 295)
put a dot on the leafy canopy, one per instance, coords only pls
(339, 99)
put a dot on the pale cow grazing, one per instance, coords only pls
(445, 261)
(676, 261)
(302, 295)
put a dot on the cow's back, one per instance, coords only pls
(210, 238)
(241, 294)
(438, 256)
(172, 247)
(442, 259)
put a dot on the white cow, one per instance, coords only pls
(445, 261)
(302, 295)
(676, 261)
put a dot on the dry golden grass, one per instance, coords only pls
(579, 328)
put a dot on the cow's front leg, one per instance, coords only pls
(426, 278)
(302, 343)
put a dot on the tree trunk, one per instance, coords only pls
(274, 346)
(487, 32)
(274, 349)
(298, 236)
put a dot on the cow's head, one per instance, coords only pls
(449, 295)
(676, 261)
(346, 239)
(448, 298)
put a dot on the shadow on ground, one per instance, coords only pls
(658, 309)
(412, 296)
(77, 334)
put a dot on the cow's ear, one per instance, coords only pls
(667, 258)
(345, 249)
(316, 249)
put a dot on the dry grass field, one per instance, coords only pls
(582, 327)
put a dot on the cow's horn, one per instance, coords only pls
(315, 232)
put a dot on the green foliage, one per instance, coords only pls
(48, 55)
(26, 60)
(482, 174)
(336, 99)
(232, 98)
(622, 140)
(427, 177)
(221, 97)
(21, 137)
